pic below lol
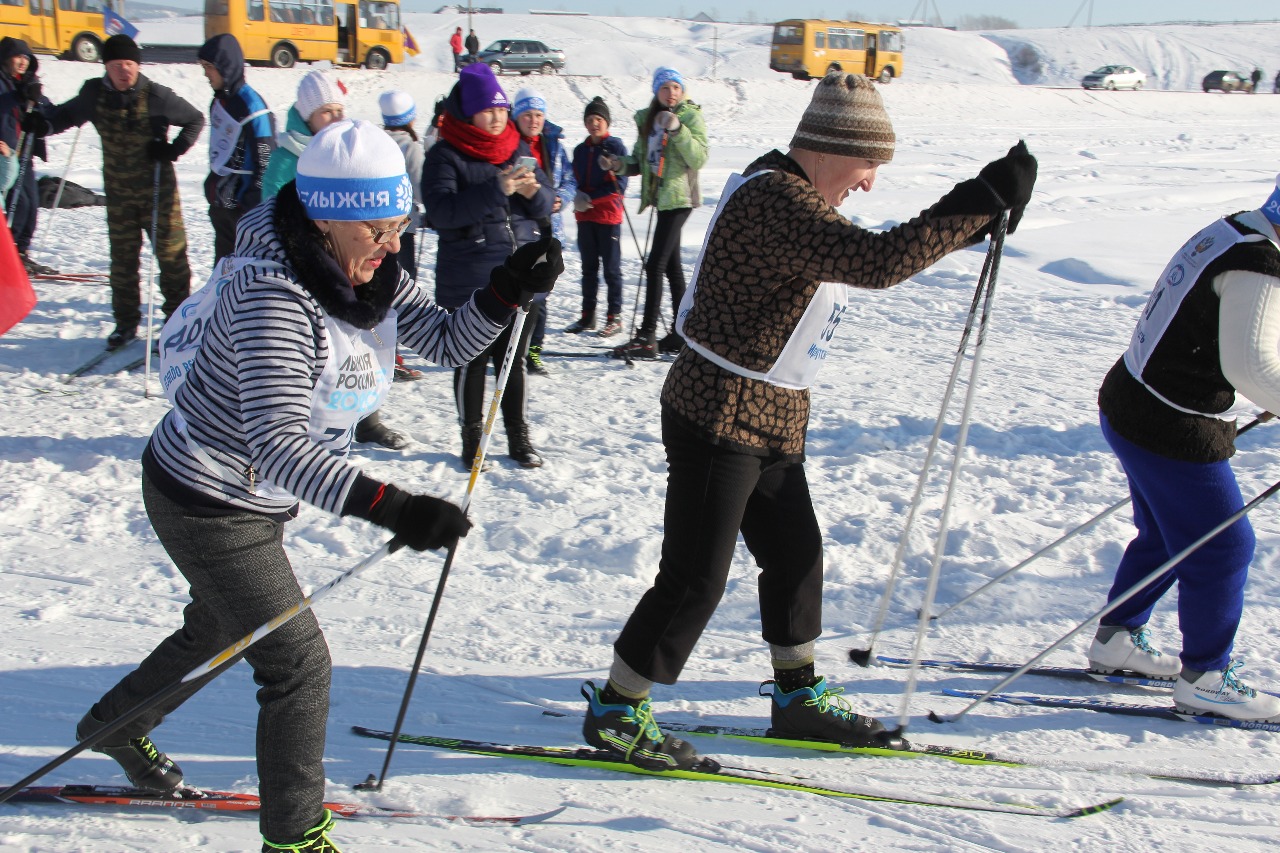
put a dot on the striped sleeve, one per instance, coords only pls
(450, 339)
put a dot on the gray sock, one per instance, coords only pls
(1106, 632)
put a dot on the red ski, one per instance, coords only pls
(194, 798)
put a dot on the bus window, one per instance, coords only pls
(38, 8)
(10, 2)
(377, 15)
(788, 35)
(215, 7)
(820, 40)
(891, 41)
(255, 11)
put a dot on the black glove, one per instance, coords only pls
(532, 269)
(1012, 179)
(163, 151)
(34, 124)
(31, 90)
(419, 521)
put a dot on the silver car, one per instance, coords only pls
(1112, 77)
(522, 55)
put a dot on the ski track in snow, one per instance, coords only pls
(560, 555)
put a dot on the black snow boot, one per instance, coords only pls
(585, 323)
(643, 346)
(471, 435)
(671, 343)
(520, 446)
(371, 430)
(146, 766)
(121, 336)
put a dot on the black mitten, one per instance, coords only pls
(1012, 178)
(531, 270)
(34, 123)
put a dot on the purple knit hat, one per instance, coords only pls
(478, 89)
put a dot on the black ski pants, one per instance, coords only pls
(713, 494)
(469, 382)
(24, 205)
(240, 578)
(664, 258)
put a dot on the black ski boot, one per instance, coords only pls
(630, 732)
(520, 447)
(642, 346)
(671, 343)
(585, 323)
(314, 840)
(371, 430)
(121, 336)
(471, 435)
(819, 712)
(146, 766)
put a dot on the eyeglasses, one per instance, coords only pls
(382, 236)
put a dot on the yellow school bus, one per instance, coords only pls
(59, 27)
(808, 49)
(282, 32)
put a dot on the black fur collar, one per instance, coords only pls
(304, 246)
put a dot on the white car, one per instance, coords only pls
(1114, 77)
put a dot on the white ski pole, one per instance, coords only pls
(62, 183)
(1112, 605)
(151, 288)
(940, 544)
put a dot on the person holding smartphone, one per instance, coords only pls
(485, 202)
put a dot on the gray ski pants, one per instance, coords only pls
(241, 578)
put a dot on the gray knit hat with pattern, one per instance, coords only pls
(846, 117)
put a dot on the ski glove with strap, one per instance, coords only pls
(1003, 184)
(531, 270)
(163, 151)
(420, 521)
(34, 124)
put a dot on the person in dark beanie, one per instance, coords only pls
(133, 115)
(242, 135)
(757, 320)
(597, 207)
(484, 205)
(22, 103)
(671, 146)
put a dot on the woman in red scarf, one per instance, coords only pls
(484, 205)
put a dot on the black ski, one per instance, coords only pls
(1066, 672)
(101, 357)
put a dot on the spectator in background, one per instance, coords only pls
(544, 139)
(473, 45)
(597, 207)
(137, 174)
(21, 100)
(484, 205)
(1256, 77)
(398, 113)
(455, 44)
(241, 138)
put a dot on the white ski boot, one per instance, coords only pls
(1131, 651)
(1221, 692)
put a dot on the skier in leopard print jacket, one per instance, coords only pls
(758, 321)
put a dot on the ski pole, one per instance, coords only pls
(24, 150)
(517, 328)
(994, 252)
(210, 669)
(1112, 605)
(62, 182)
(151, 284)
(862, 657)
(1088, 525)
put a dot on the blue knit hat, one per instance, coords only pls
(666, 75)
(352, 170)
(528, 99)
(398, 108)
(1271, 209)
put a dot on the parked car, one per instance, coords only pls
(1227, 81)
(523, 56)
(1114, 77)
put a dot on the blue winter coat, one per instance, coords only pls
(478, 226)
(560, 167)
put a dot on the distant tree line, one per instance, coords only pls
(985, 22)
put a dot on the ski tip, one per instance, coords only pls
(1096, 808)
(369, 784)
(935, 717)
(539, 818)
(862, 657)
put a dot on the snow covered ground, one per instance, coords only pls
(560, 555)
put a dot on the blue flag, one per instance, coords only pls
(113, 24)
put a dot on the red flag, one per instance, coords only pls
(16, 296)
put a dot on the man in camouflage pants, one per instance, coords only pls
(133, 115)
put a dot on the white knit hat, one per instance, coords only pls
(528, 99)
(398, 108)
(316, 90)
(352, 170)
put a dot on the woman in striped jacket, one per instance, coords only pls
(300, 347)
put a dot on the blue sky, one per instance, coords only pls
(1028, 13)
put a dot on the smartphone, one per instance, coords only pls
(529, 163)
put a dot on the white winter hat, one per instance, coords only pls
(528, 99)
(398, 108)
(352, 170)
(316, 90)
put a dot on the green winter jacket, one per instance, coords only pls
(283, 165)
(686, 153)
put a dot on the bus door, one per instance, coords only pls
(872, 70)
(42, 32)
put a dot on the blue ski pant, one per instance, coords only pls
(1174, 504)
